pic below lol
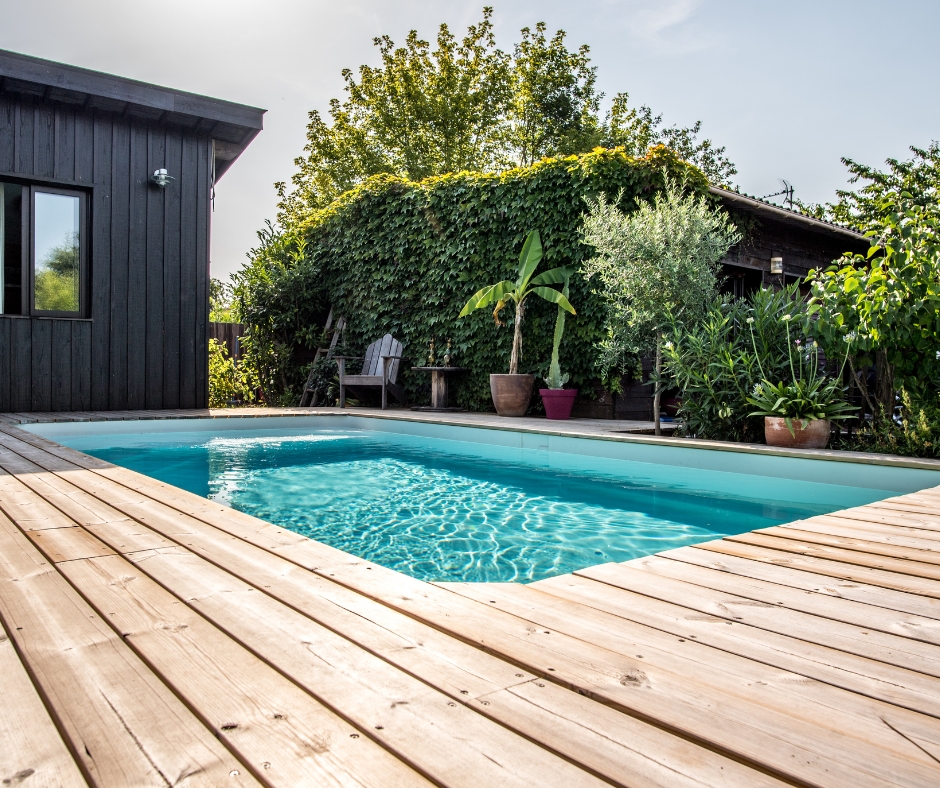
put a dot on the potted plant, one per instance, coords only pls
(558, 400)
(512, 392)
(799, 414)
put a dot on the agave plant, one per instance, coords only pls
(526, 284)
(809, 395)
(804, 400)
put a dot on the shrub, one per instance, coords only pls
(229, 383)
(717, 363)
(396, 256)
(914, 432)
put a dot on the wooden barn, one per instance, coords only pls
(106, 187)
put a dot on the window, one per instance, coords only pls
(43, 251)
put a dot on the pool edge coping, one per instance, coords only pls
(831, 455)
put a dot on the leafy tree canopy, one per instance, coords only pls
(862, 208)
(889, 302)
(465, 105)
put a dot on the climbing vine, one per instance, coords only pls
(397, 256)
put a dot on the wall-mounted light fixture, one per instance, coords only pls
(776, 265)
(160, 178)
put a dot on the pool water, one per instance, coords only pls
(448, 510)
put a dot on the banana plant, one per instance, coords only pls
(525, 285)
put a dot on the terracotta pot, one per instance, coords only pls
(807, 434)
(558, 402)
(511, 393)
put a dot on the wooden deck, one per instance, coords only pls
(152, 637)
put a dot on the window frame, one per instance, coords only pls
(29, 269)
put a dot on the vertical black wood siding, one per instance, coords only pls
(144, 344)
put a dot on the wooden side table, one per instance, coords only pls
(439, 380)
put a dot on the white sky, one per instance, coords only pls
(788, 87)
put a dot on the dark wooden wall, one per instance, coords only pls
(802, 249)
(144, 343)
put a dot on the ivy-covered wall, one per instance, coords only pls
(402, 257)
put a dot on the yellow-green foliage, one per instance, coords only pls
(229, 383)
(397, 256)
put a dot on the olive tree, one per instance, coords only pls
(654, 267)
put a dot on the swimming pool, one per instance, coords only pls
(460, 503)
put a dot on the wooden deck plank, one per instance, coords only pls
(317, 554)
(122, 722)
(916, 588)
(450, 743)
(859, 542)
(673, 582)
(458, 666)
(859, 614)
(809, 544)
(911, 536)
(919, 607)
(277, 729)
(578, 663)
(31, 750)
(858, 674)
(856, 739)
(876, 514)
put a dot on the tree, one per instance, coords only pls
(421, 113)
(467, 105)
(553, 108)
(657, 266)
(861, 208)
(220, 302)
(638, 130)
(885, 308)
(57, 277)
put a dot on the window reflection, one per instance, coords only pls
(56, 238)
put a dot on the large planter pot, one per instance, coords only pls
(558, 403)
(511, 393)
(806, 434)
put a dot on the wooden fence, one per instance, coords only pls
(228, 334)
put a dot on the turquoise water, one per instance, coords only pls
(452, 510)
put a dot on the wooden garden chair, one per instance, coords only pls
(379, 370)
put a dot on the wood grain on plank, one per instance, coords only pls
(806, 543)
(274, 726)
(674, 582)
(125, 725)
(31, 750)
(778, 552)
(862, 742)
(759, 564)
(861, 675)
(747, 713)
(449, 742)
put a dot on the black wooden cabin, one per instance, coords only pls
(798, 242)
(104, 259)
(773, 238)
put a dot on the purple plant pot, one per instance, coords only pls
(558, 403)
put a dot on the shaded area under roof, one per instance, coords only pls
(232, 126)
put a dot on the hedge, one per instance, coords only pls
(397, 256)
